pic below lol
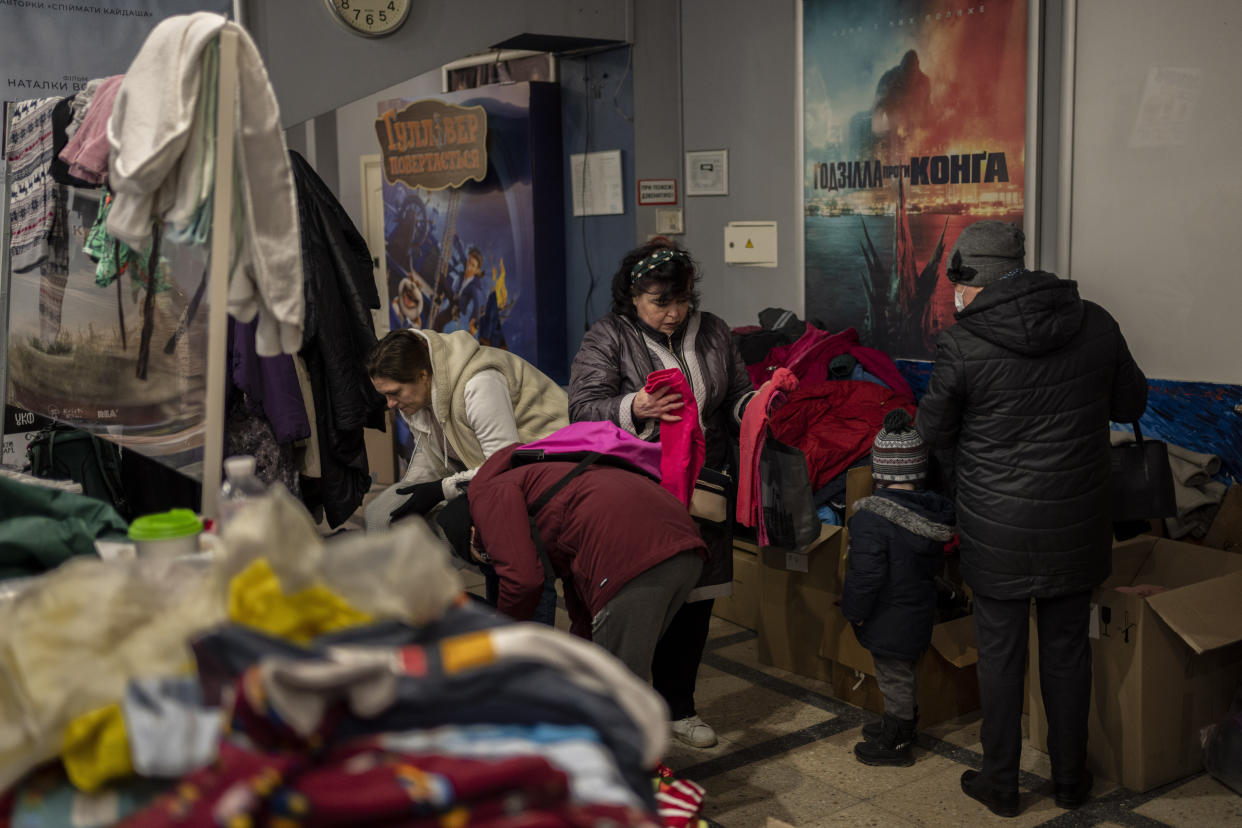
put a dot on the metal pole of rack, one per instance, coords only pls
(218, 278)
(6, 275)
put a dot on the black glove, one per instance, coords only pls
(422, 498)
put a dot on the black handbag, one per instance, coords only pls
(1141, 480)
(788, 502)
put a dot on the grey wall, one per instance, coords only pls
(738, 84)
(657, 100)
(316, 66)
(1157, 183)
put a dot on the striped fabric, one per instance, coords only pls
(32, 205)
(898, 454)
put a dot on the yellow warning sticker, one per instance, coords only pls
(750, 243)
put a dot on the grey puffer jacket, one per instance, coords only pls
(611, 367)
(1023, 389)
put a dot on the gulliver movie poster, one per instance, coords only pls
(915, 114)
(460, 256)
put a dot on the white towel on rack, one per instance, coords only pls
(151, 172)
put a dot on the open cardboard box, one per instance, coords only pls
(948, 683)
(1163, 666)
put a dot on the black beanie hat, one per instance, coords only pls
(985, 252)
(898, 454)
(454, 521)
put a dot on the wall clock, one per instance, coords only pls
(370, 18)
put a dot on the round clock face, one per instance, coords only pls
(370, 18)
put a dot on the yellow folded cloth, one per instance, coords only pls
(96, 749)
(257, 600)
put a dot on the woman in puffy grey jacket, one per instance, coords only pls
(655, 324)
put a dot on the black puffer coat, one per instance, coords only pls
(1023, 389)
(611, 367)
(897, 543)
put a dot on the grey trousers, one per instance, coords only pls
(898, 681)
(630, 625)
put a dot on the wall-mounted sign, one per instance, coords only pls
(433, 144)
(657, 191)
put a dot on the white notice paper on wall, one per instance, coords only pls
(596, 181)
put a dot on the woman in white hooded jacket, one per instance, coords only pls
(462, 401)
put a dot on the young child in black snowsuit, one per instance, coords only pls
(897, 538)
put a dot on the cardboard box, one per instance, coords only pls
(1163, 666)
(742, 607)
(799, 591)
(948, 683)
(1226, 530)
(797, 594)
(382, 452)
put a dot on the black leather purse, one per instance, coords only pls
(1142, 482)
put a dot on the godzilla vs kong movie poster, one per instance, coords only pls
(914, 118)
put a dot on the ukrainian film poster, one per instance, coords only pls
(914, 120)
(459, 218)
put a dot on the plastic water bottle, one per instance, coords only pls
(240, 486)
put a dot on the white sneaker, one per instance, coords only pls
(694, 732)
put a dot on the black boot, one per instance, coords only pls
(1071, 796)
(1001, 803)
(893, 748)
(872, 730)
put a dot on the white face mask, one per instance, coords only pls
(959, 301)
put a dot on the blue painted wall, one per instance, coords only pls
(597, 106)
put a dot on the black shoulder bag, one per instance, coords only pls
(1141, 480)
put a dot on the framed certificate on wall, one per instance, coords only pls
(707, 173)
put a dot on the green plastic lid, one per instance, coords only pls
(177, 523)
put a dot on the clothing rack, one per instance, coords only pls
(217, 279)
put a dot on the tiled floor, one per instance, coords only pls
(786, 751)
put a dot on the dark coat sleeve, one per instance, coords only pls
(868, 568)
(596, 378)
(740, 387)
(1129, 397)
(940, 411)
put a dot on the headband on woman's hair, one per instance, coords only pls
(646, 265)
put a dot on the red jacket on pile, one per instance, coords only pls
(834, 423)
(808, 359)
(605, 527)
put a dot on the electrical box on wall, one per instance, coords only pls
(750, 243)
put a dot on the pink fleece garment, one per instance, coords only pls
(682, 447)
(86, 153)
(754, 431)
